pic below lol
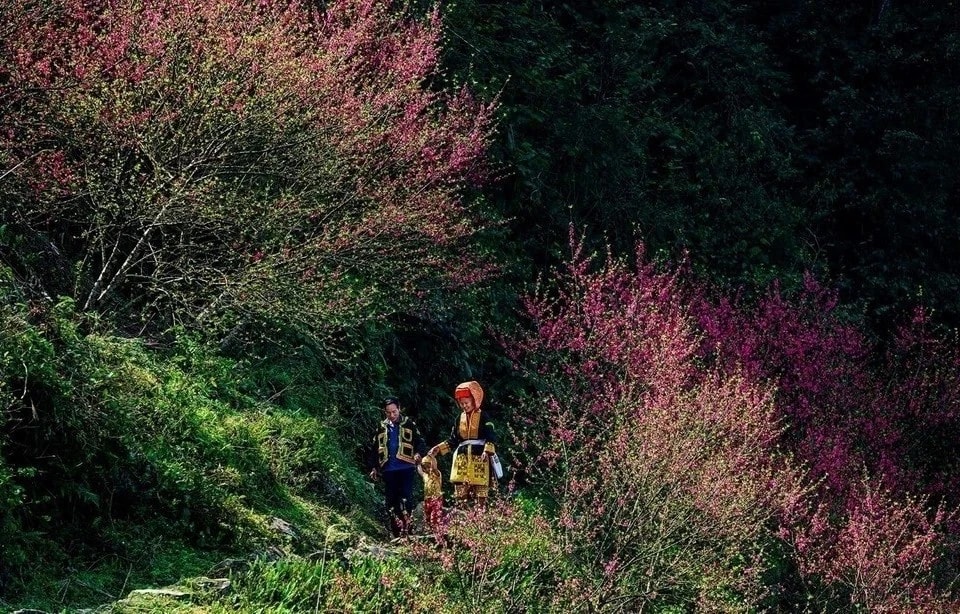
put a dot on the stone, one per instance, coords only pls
(169, 592)
(216, 586)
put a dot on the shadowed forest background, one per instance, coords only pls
(702, 256)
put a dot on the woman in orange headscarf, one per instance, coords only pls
(473, 441)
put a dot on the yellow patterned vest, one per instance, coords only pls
(405, 450)
(432, 485)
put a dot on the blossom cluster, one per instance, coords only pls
(694, 444)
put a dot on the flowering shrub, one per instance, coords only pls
(701, 453)
(873, 426)
(205, 160)
(665, 473)
(814, 360)
(500, 558)
(920, 390)
(883, 553)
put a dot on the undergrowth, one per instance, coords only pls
(124, 465)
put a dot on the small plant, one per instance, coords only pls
(501, 556)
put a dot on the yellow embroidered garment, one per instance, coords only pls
(432, 484)
(469, 468)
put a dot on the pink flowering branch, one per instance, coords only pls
(225, 157)
(686, 437)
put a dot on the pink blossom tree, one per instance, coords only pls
(665, 472)
(220, 159)
(849, 406)
(872, 427)
(702, 448)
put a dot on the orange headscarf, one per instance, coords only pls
(472, 390)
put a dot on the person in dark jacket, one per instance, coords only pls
(396, 450)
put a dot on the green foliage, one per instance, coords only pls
(509, 558)
(287, 585)
(363, 584)
(106, 439)
(11, 497)
(879, 135)
(502, 560)
(764, 138)
(660, 120)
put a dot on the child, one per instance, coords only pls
(432, 493)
